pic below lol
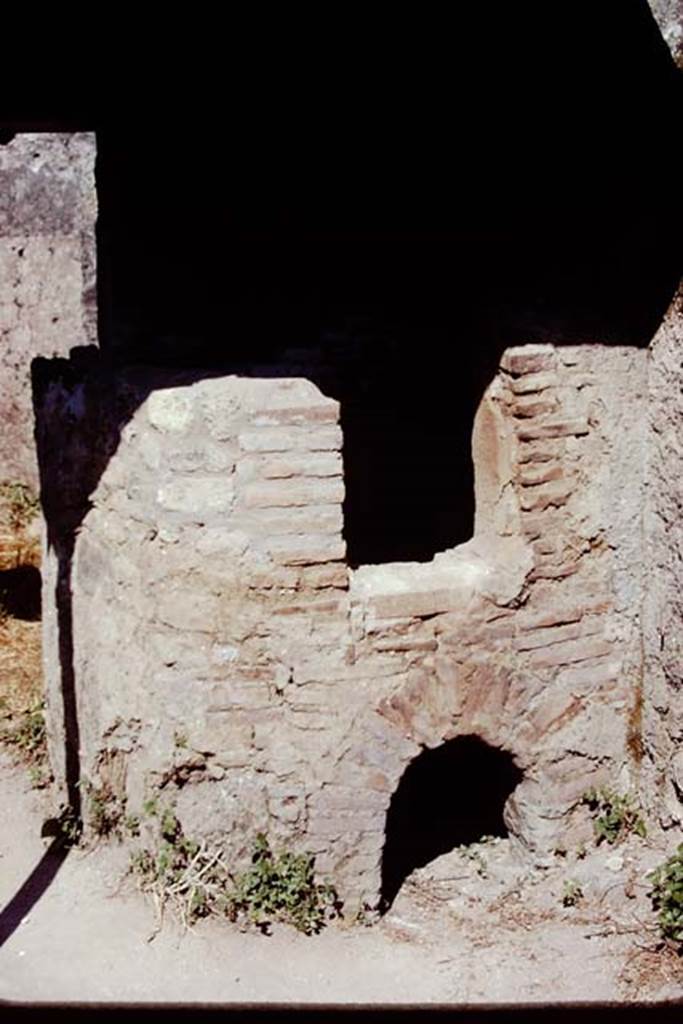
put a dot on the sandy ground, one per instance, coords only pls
(452, 936)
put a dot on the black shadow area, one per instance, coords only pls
(32, 889)
(476, 182)
(20, 592)
(447, 797)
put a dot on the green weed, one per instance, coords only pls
(667, 897)
(572, 893)
(473, 853)
(193, 879)
(21, 503)
(27, 733)
(614, 816)
(105, 811)
(282, 887)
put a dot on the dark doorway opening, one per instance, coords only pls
(20, 592)
(406, 421)
(447, 797)
(386, 236)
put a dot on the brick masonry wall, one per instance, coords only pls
(224, 654)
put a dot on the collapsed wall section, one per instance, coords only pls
(206, 545)
(218, 650)
(528, 636)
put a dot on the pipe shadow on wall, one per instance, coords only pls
(20, 592)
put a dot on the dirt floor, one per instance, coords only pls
(473, 927)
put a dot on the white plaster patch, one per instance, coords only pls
(223, 654)
(170, 410)
(197, 496)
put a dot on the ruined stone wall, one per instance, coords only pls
(663, 607)
(47, 273)
(220, 650)
(534, 646)
(669, 17)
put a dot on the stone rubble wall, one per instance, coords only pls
(48, 293)
(663, 610)
(224, 654)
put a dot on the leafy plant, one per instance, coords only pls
(178, 870)
(195, 880)
(131, 824)
(39, 776)
(572, 893)
(151, 806)
(28, 734)
(365, 916)
(105, 811)
(282, 887)
(473, 853)
(667, 897)
(25, 732)
(22, 504)
(70, 826)
(615, 816)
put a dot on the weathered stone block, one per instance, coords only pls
(533, 383)
(171, 411)
(541, 473)
(570, 651)
(554, 634)
(320, 576)
(546, 450)
(300, 464)
(574, 426)
(187, 607)
(264, 522)
(530, 407)
(197, 496)
(286, 493)
(313, 605)
(294, 415)
(554, 572)
(286, 439)
(552, 494)
(528, 359)
(297, 549)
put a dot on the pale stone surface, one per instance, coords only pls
(662, 698)
(170, 410)
(48, 209)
